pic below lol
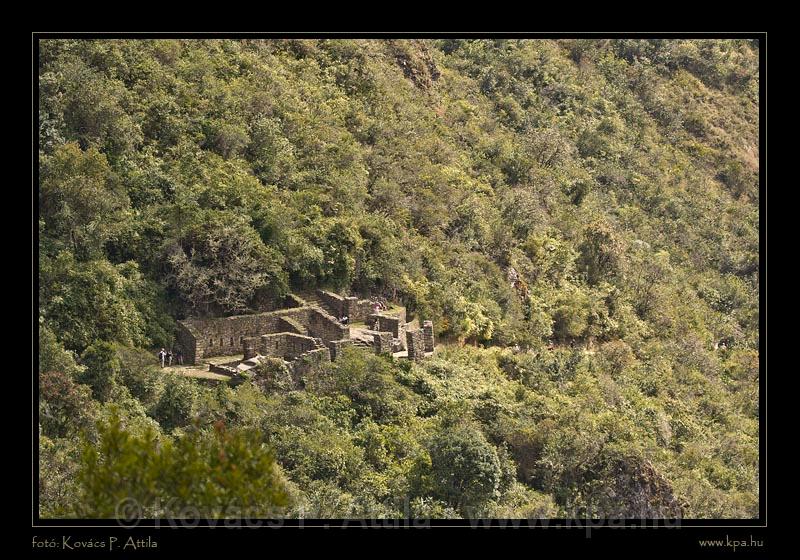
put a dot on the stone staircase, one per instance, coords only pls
(295, 325)
(362, 343)
(311, 298)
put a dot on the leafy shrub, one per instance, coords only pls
(227, 473)
(465, 469)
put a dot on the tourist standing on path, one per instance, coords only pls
(169, 357)
(162, 356)
(179, 357)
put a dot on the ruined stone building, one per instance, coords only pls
(307, 331)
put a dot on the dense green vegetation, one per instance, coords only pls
(579, 218)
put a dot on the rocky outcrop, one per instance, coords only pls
(632, 488)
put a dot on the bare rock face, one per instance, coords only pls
(417, 62)
(638, 490)
(512, 275)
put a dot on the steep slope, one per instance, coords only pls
(592, 204)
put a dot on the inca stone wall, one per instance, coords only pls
(334, 302)
(308, 363)
(416, 345)
(386, 323)
(250, 346)
(324, 326)
(187, 343)
(336, 346)
(294, 332)
(286, 345)
(356, 309)
(427, 333)
(225, 335)
(382, 342)
(204, 338)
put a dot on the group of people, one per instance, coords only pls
(166, 357)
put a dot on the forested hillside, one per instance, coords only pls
(579, 218)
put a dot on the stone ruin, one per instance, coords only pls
(339, 306)
(225, 336)
(305, 334)
(303, 353)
